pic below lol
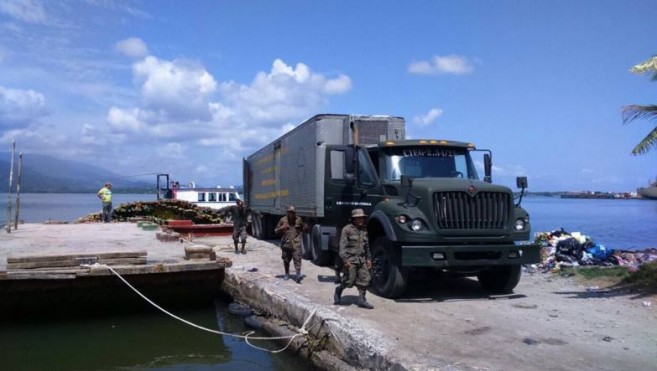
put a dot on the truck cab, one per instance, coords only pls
(429, 209)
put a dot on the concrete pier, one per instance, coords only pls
(441, 323)
(67, 268)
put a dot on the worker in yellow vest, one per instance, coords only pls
(105, 196)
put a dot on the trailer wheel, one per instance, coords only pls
(319, 257)
(306, 249)
(389, 279)
(500, 279)
(257, 226)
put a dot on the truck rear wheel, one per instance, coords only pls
(306, 250)
(388, 278)
(256, 226)
(319, 257)
(500, 279)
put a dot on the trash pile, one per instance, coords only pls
(561, 248)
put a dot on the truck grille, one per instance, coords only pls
(486, 210)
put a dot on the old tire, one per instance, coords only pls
(253, 322)
(319, 257)
(306, 250)
(500, 279)
(238, 309)
(388, 278)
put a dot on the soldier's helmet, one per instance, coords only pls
(357, 213)
(291, 208)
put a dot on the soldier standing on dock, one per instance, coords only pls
(355, 253)
(239, 215)
(291, 226)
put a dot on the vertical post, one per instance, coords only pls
(18, 189)
(11, 176)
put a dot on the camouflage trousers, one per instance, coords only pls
(356, 274)
(289, 255)
(239, 233)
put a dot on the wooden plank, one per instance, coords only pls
(157, 268)
(108, 255)
(39, 276)
(42, 264)
(76, 262)
(126, 261)
(65, 270)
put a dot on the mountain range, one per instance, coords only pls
(43, 173)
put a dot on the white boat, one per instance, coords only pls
(214, 198)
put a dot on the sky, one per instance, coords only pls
(189, 88)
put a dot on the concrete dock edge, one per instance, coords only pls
(328, 331)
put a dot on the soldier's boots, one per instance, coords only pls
(287, 272)
(236, 250)
(338, 295)
(297, 278)
(243, 250)
(362, 302)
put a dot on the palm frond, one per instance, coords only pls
(646, 144)
(648, 66)
(636, 111)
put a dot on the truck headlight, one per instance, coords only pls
(520, 224)
(416, 225)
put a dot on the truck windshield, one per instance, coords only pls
(428, 162)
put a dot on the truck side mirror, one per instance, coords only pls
(488, 166)
(521, 182)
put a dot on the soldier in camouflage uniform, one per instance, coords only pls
(355, 253)
(291, 227)
(239, 215)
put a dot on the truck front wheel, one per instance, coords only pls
(500, 279)
(388, 278)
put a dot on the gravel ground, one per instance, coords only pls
(549, 322)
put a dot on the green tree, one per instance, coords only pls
(636, 111)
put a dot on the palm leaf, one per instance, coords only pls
(635, 111)
(648, 66)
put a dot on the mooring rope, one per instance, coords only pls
(246, 336)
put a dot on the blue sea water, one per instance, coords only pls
(617, 224)
(621, 224)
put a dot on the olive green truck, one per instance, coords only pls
(428, 210)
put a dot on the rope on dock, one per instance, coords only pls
(246, 336)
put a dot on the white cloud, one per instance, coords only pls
(284, 93)
(180, 89)
(19, 108)
(243, 118)
(449, 64)
(30, 11)
(125, 121)
(429, 118)
(172, 151)
(132, 47)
